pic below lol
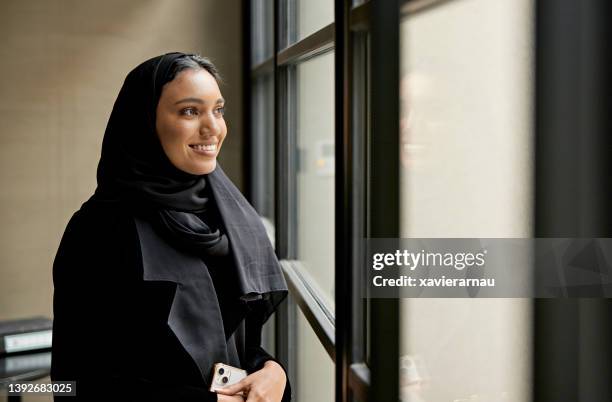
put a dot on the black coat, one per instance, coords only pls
(111, 333)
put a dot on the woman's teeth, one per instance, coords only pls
(212, 147)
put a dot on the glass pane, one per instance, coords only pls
(262, 147)
(466, 163)
(315, 171)
(315, 369)
(312, 15)
(262, 30)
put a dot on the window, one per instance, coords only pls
(262, 143)
(293, 177)
(315, 172)
(312, 15)
(416, 118)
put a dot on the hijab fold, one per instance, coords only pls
(187, 218)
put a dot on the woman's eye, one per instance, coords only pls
(189, 111)
(220, 110)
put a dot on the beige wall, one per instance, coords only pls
(63, 62)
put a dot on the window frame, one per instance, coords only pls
(366, 69)
(344, 341)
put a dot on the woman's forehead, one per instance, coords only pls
(192, 83)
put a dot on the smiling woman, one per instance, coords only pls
(166, 269)
(190, 123)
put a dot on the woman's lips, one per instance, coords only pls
(207, 150)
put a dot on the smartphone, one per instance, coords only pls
(225, 375)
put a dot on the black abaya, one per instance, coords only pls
(111, 331)
(161, 273)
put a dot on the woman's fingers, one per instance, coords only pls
(266, 384)
(230, 398)
(242, 385)
(256, 396)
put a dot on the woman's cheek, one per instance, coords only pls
(182, 130)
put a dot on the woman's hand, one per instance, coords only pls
(229, 398)
(264, 385)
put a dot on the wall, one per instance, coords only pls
(63, 63)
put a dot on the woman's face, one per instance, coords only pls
(190, 123)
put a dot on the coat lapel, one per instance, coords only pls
(195, 317)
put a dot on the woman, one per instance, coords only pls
(166, 269)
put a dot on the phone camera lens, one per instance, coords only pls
(221, 371)
(224, 380)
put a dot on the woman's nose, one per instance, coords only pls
(209, 125)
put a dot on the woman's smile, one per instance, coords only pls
(204, 149)
(190, 123)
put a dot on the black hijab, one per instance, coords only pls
(133, 167)
(135, 172)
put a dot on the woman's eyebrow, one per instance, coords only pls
(189, 100)
(197, 100)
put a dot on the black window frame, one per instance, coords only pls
(343, 336)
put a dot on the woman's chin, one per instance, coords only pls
(207, 167)
(200, 168)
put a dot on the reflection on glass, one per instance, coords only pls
(313, 15)
(466, 162)
(262, 147)
(315, 369)
(315, 171)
